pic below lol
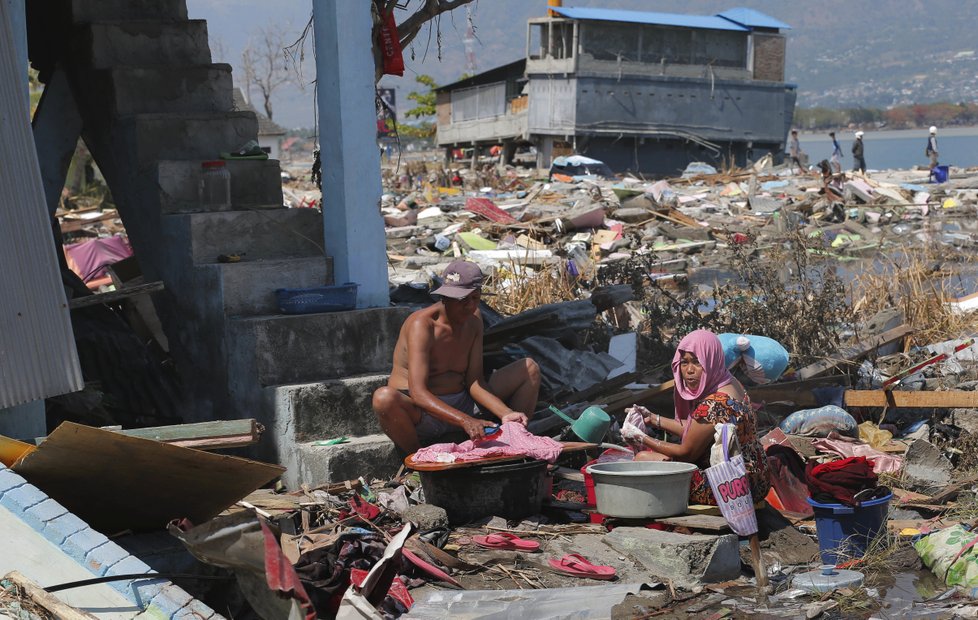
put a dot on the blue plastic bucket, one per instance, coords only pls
(939, 174)
(844, 532)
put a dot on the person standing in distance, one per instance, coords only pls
(836, 159)
(859, 154)
(931, 150)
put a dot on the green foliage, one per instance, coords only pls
(419, 130)
(942, 114)
(424, 101)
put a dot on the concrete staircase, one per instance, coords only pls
(154, 107)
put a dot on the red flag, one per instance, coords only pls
(390, 46)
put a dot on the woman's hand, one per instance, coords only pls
(516, 416)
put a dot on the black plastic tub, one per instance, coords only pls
(510, 490)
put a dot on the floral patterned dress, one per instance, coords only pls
(720, 408)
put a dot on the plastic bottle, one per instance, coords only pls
(215, 185)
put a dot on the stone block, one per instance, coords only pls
(47, 510)
(925, 469)
(254, 234)
(289, 349)
(686, 559)
(370, 456)
(100, 559)
(9, 479)
(254, 184)
(248, 288)
(183, 135)
(965, 419)
(129, 565)
(326, 409)
(80, 544)
(148, 43)
(202, 88)
(19, 499)
(426, 516)
(58, 529)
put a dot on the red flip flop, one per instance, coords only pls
(576, 565)
(504, 540)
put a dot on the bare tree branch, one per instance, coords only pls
(410, 27)
(264, 64)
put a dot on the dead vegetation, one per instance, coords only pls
(516, 288)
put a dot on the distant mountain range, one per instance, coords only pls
(841, 53)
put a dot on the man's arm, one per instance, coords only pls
(479, 389)
(419, 340)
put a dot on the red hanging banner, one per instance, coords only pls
(390, 46)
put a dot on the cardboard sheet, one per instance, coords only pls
(117, 483)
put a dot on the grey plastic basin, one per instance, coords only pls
(641, 489)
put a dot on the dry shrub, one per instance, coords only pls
(516, 288)
(791, 294)
(917, 281)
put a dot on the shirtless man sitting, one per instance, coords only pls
(438, 378)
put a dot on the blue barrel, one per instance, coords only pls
(939, 174)
(844, 532)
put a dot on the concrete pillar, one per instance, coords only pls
(509, 150)
(354, 229)
(474, 164)
(57, 126)
(545, 152)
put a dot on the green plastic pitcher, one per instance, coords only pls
(591, 426)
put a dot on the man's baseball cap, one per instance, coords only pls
(460, 278)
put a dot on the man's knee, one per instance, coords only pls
(384, 400)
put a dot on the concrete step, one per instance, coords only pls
(98, 10)
(327, 409)
(289, 349)
(199, 136)
(201, 88)
(108, 45)
(248, 288)
(255, 235)
(373, 456)
(254, 184)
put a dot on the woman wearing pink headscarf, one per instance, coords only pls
(706, 394)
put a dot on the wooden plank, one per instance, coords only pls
(852, 353)
(118, 483)
(114, 296)
(705, 522)
(204, 435)
(904, 398)
(57, 608)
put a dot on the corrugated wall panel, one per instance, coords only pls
(37, 347)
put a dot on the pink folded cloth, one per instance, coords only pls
(512, 440)
(847, 447)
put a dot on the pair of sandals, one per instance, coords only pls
(572, 564)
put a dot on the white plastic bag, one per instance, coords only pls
(730, 486)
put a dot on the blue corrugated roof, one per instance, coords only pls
(710, 22)
(753, 19)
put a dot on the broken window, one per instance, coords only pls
(719, 48)
(561, 40)
(673, 45)
(537, 35)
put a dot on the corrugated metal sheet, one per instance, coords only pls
(709, 22)
(479, 102)
(753, 19)
(37, 348)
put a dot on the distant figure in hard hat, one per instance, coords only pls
(858, 154)
(836, 160)
(931, 150)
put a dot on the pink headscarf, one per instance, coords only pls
(707, 348)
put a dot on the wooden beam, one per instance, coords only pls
(904, 398)
(115, 296)
(854, 352)
(45, 599)
(204, 435)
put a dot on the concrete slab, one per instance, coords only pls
(255, 234)
(289, 349)
(143, 43)
(326, 409)
(197, 136)
(254, 184)
(83, 11)
(687, 559)
(248, 287)
(373, 456)
(25, 550)
(202, 88)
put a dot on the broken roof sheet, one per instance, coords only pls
(708, 22)
(753, 19)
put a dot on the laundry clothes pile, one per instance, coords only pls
(839, 482)
(512, 440)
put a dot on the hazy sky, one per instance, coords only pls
(230, 23)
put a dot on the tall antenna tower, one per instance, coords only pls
(470, 62)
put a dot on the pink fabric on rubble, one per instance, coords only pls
(513, 440)
(847, 447)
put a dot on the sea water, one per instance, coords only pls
(901, 149)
